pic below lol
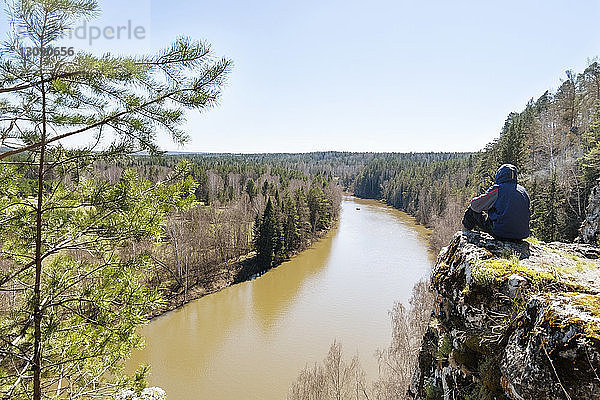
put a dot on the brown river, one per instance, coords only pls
(251, 340)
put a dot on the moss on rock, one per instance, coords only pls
(513, 320)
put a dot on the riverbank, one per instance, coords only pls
(241, 269)
(245, 268)
(251, 340)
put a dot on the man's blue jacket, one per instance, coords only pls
(507, 205)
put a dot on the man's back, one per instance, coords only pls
(506, 204)
(510, 215)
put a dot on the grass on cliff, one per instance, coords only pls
(495, 271)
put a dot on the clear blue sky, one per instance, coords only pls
(373, 75)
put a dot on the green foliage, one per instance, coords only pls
(489, 375)
(511, 146)
(544, 219)
(290, 221)
(591, 164)
(251, 189)
(139, 380)
(93, 299)
(268, 236)
(433, 392)
(75, 296)
(555, 144)
(444, 348)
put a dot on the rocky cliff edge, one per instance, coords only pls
(512, 320)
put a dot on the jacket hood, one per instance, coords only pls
(506, 173)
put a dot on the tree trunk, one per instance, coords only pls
(37, 310)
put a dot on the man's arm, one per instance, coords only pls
(485, 201)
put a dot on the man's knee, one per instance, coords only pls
(468, 221)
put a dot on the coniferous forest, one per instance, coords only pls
(554, 142)
(96, 239)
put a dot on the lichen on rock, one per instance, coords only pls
(512, 320)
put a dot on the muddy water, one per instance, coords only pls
(250, 341)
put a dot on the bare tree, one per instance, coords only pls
(336, 379)
(398, 361)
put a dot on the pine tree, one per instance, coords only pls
(268, 236)
(251, 189)
(545, 211)
(49, 97)
(303, 211)
(291, 230)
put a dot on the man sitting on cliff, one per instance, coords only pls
(503, 211)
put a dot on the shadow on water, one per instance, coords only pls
(223, 315)
(177, 333)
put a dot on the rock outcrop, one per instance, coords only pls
(590, 228)
(512, 320)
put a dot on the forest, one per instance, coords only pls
(173, 227)
(97, 238)
(554, 142)
(433, 187)
(247, 215)
(134, 236)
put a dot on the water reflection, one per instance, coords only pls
(177, 333)
(250, 341)
(276, 290)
